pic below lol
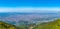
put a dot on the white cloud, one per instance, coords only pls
(28, 9)
(41, 9)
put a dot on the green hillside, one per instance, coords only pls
(4, 25)
(50, 25)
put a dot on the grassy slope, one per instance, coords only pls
(50, 25)
(4, 25)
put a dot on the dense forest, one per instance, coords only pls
(46, 25)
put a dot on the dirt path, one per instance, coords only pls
(31, 27)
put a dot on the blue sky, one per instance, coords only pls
(39, 3)
(29, 5)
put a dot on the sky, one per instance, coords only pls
(29, 5)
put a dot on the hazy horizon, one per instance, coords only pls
(32, 6)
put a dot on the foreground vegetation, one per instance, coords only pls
(4, 25)
(49, 25)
